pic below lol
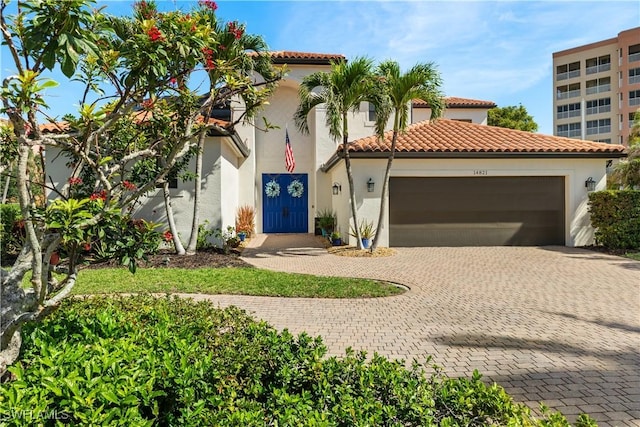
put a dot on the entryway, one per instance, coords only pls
(285, 203)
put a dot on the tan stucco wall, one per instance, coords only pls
(476, 115)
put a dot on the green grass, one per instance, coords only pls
(633, 255)
(235, 281)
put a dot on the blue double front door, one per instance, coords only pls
(285, 203)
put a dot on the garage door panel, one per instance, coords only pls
(479, 211)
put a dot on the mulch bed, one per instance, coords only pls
(208, 258)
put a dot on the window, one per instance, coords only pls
(598, 85)
(574, 130)
(632, 117)
(598, 126)
(604, 140)
(568, 110)
(562, 130)
(634, 97)
(372, 112)
(596, 106)
(634, 53)
(634, 76)
(570, 130)
(597, 65)
(568, 71)
(568, 91)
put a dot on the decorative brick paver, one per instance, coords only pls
(553, 324)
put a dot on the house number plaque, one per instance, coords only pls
(480, 172)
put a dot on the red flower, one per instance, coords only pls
(208, 57)
(155, 34)
(75, 181)
(102, 195)
(87, 246)
(209, 4)
(173, 81)
(235, 30)
(147, 104)
(129, 185)
(168, 236)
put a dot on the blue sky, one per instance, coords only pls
(498, 51)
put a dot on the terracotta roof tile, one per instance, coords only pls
(286, 54)
(455, 102)
(290, 57)
(451, 136)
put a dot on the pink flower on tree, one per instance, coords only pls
(209, 4)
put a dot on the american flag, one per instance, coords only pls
(289, 161)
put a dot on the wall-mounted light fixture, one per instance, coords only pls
(370, 185)
(590, 184)
(337, 188)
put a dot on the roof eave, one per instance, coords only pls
(337, 156)
(236, 143)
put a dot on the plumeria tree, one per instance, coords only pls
(137, 123)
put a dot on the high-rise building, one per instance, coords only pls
(596, 89)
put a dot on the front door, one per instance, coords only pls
(284, 203)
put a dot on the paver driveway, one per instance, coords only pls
(551, 324)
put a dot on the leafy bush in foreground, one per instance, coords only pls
(141, 361)
(616, 216)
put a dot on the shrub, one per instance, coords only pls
(245, 220)
(204, 234)
(144, 361)
(616, 216)
(10, 235)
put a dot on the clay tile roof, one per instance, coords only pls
(455, 102)
(451, 136)
(54, 127)
(289, 57)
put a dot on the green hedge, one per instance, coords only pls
(143, 361)
(615, 214)
(9, 241)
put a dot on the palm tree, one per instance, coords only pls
(341, 90)
(420, 82)
(626, 174)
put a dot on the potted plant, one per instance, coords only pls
(326, 222)
(336, 238)
(366, 233)
(242, 235)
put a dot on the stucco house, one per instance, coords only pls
(454, 182)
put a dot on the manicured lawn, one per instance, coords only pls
(633, 255)
(237, 281)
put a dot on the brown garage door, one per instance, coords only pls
(476, 211)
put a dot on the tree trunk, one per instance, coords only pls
(193, 239)
(172, 223)
(385, 184)
(5, 192)
(352, 192)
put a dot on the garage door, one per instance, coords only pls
(476, 211)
